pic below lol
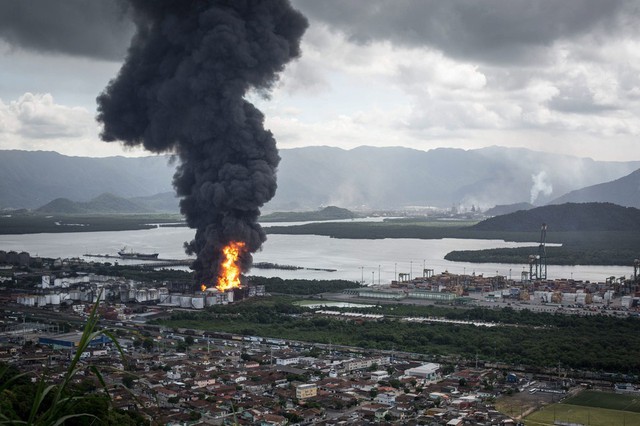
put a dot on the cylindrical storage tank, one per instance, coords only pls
(197, 302)
(55, 299)
(153, 294)
(175, 299)
(185, 301)
(165, 298)
(142, 296)
(41, 300)
(27, 300)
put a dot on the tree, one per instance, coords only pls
(147, 343)
(128, 380)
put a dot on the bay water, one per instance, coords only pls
(370, 261)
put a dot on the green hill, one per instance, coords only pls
(566, 217)
(102, 204)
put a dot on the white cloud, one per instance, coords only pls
(37, 122)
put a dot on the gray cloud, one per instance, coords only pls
(493, 31)
(96, 29)
(578, 100)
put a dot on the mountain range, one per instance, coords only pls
(312, 177)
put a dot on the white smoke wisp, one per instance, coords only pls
(540, 186)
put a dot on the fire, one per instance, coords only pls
(229, 274)
(203, 287)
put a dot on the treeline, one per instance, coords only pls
(328, 213)
(555, 255)
(302, 287)
(35, 224)
(379, 230)
(533, 339)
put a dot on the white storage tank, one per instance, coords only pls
(197, 302)
(27, 300)
(153, 294)
(175, 299)
(54, 299)
(142, 296)
(165, 298)
(185, 301)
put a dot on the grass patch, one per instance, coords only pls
(580, 414)
(608, 400)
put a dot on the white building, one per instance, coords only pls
(429, 371)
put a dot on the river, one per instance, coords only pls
(371, 261)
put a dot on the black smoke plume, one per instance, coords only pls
(181, 89)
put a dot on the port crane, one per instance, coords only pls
(538, 262)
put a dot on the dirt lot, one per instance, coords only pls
(520, 404)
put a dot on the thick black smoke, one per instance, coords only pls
(181, 89)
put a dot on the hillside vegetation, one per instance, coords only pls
(567, 217)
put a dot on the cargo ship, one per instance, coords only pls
(135, 255)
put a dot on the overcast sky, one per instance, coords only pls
(556, 76)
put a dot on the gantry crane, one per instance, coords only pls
(538, 262)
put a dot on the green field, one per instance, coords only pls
(578, 414)
(607, 400)
(590, 408)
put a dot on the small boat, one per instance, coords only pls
(135, 255)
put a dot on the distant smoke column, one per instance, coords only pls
(181, 90)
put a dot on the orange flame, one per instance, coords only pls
(203, 287)
(229, 275)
